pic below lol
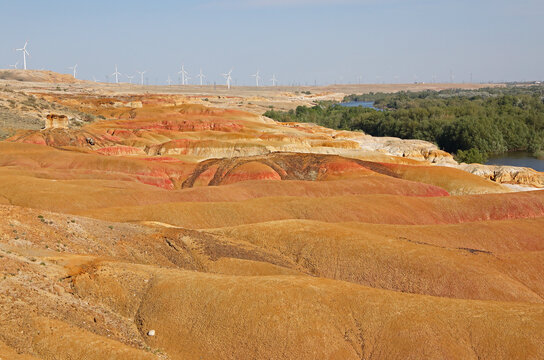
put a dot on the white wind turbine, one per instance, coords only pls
(169, 81)
(228, 77)
(14, 65)
(201, 76)
(130, 77)
(274, 80)
(184, 75)
(141, 76)
(74, 68)
(116, 74)
(257, 77)
(25, 53)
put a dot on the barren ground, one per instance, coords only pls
(235, 237)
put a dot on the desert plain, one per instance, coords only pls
(143, 222)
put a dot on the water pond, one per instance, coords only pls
(365, 104)
(518, 158)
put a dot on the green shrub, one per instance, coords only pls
(539, 154)
(471, 156)
(536, 142)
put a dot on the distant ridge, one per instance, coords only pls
(46, 76)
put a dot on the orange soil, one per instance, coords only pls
(276, 255)
(438, 260)
(453, 180)
(377, 209)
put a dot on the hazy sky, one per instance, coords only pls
(300, 41)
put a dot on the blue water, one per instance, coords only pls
(365, 104)
(518, 158)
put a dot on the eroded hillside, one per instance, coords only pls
(162, 229)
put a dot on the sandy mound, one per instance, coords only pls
(435, 260)
(37, 76)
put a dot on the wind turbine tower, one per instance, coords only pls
(274, 80)
(130, 77)
(257, 77)
(116, 74)
(25, 53)
(184, 75)
(169, 81)
(201, 76)
(74, 68)
(228, 77)
(141, 76)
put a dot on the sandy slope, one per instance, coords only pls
(264, 291)
(380, 209)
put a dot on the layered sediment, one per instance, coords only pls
(170, 230)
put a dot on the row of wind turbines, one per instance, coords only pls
(185, 77)
(183, 73)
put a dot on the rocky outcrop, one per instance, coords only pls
(412, 149)
(507, 174)
(54, 121)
